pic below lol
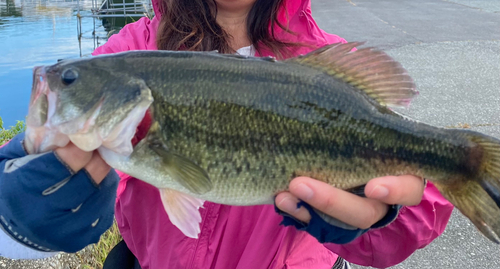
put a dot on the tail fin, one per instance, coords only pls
(479, 198)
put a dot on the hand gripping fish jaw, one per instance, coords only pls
(64, 108)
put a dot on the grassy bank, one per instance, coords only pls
(93, 256)
(8, 134)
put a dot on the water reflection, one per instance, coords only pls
(10, 9)
(39, 32)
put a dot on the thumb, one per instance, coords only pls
(402, 190)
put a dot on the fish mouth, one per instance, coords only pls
(45, 131)
(40, 136)
(37, 115)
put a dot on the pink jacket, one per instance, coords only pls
(251, 237)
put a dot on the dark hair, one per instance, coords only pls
(191, 25)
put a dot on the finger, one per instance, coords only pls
(402, 190)
(344, 206)
(73, 157)
(97, 168)
(287, 203)
(28, 146)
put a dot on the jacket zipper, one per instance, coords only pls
(339, 263)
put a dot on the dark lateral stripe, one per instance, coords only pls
(292, 141)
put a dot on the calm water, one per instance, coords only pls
(38, 32)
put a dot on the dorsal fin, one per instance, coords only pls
(244, 57)
(368, 69)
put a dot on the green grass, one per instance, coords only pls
(93, 256)
(8, 134)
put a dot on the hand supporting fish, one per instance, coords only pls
(236, 130)
(349, 208)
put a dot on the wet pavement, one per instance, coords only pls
(452, 50)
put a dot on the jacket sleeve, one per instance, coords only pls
(43, 203)
(9, 247)
(414, 228)
(140, 35)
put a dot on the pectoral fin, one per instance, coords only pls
(184, 171)
(181, 169)
(182, 211)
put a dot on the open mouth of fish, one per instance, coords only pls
(89, 130)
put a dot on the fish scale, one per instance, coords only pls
(237, 130)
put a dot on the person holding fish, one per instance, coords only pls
(64, 199)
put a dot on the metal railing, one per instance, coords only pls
(111, 10)
(118, 8)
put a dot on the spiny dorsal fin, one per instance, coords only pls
(368, 69)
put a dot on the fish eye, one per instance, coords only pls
(69, 76)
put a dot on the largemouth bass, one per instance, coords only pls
(236, 130)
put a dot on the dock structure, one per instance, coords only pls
(113, 14)
(118, 8)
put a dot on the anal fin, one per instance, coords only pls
(359, 190)
(183, 211)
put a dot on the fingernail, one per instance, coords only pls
(379, 192)
(303, 192)
(288, 205)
